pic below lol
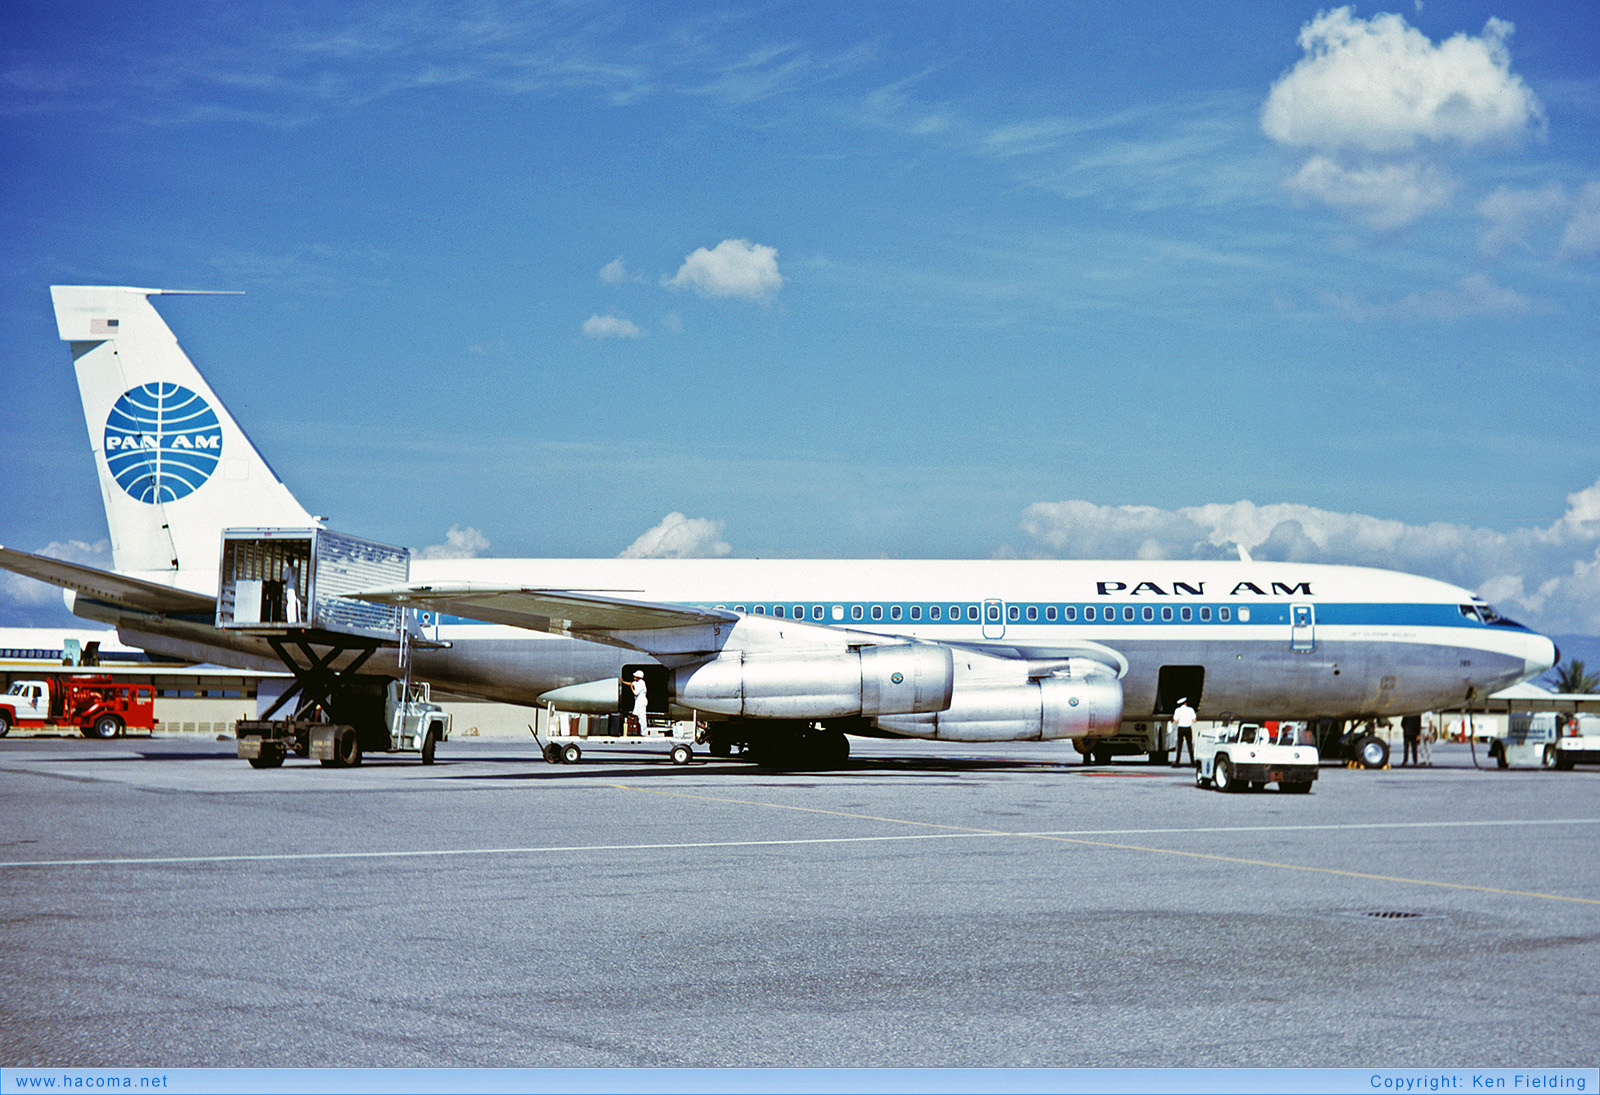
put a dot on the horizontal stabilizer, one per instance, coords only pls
(103, 585)
(560, 611)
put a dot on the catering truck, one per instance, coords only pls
(96, 706)
(1240, 755)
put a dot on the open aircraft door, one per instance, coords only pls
(1302, 628)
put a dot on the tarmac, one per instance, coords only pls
(932, 904)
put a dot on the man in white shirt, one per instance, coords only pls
(1183, 719)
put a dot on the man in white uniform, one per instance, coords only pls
(1183, 719)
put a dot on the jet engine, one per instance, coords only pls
(1080, 699)
(892, 679)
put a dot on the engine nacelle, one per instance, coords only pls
(893, 679)
(1087, 702)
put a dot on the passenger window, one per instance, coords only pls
(877, 612)
(1033, 613)
(1127, 613)
(1222, 614)
(916, 612)
(1050, 613)
(1012, 613)
(1149, 613)
(838, 612)
(994, 613)
(894, 612)
(1088, 613)
(761, 610)
(972, 612)
(955, 612)
(1071, 613)
(933, 612)
(1205, 614)
(799, 612)
(738, 608)
(855, 612)
(1187, 613)
(777, 610)
(816, 612)
(1166, 612)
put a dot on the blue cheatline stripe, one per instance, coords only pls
(1075, 614)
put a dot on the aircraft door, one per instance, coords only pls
(994, 619)
(1302, 628)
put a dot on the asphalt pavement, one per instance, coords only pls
(165, 904)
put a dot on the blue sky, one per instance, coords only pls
(775, 279)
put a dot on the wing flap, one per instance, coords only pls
(104, 585)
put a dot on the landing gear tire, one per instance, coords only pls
(1373, 752)
(571, 754)
(681, 754)
(1222, 776)
(1101, 756)
(430, 741)
(832, 750)
(106, 726)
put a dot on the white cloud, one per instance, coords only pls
(1473, 295)
(1581, 239)
(616, 272)
(1382, 196)
(1373, 99)
(1548, 576)
(599, 327)
(460, 542)
(29, 592)
(679, 537)
(1379, 85)
(1510, 216)
(733, 268)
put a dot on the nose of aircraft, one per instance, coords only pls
(1541, 656)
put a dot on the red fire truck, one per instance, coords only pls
(96, 706)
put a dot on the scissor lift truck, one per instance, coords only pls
(289, 586)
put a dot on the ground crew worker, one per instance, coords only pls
(1183, 719)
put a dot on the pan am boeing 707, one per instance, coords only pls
(777, 655)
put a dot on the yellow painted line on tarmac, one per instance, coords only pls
(1063, 839)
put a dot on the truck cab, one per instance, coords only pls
(1251, 755)
(27, 700)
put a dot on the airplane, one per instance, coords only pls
(781, 657)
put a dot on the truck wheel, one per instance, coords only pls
(1199, 780)
(5, 724)
(346, 750)
(106, 726)
(1222, 776)
(429, 741)
(269, 758)
(571, 754)
(1373, 751)
(1548, 758)
(681, 754)
(552, 753)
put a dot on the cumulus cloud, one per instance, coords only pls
(601, 327)
(460, 542)
(616, 272)
(679, 537)
(1382, 196)
(1372, 99)
(1548, 576)
(736, 269)
(1511, 216)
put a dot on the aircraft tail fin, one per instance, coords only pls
(175, 468)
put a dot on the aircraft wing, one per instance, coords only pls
(565, 612)
(107, 586)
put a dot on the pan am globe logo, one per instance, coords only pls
(162, 442)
